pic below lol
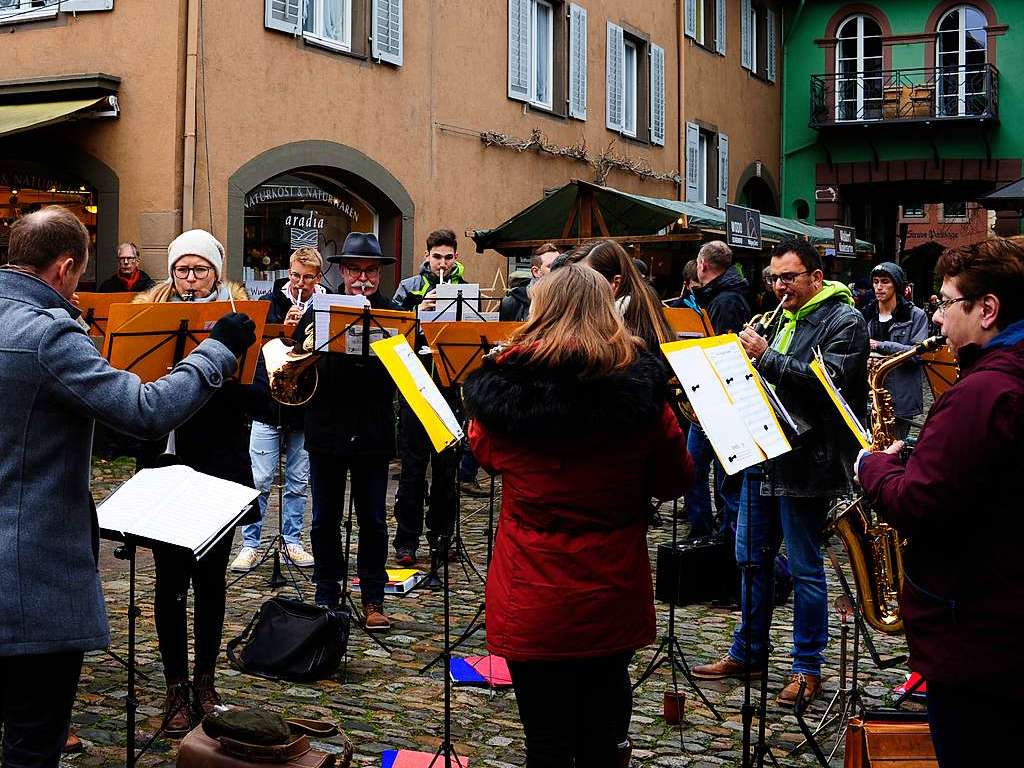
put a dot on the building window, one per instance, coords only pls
(702, 167)
(954, 212)
(328, 23)
(912, 211)
(629, 107)
(758, 39)
(635, 96)
(859, 69)
(703, 156)
(539, 50)
(542, 45)
(960, 56)
(13, 11)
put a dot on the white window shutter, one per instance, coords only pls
(746, 41)
(690, 19)
(720, 27)
(577, 62)
(87, 5)
(387, 31)
(283, 15)
(519, 49)
(615, 72)
(772, 52)
(692, 162)
(657, 95)
(723, 170)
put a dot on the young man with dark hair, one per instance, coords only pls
(516, 306)
(788, 498)
(55, 386)
(962, 600)
(129, 277)
(440, 264)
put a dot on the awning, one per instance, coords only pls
(1009, 196)
(627, 214)
(16, 118)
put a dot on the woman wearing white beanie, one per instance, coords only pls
(214, 441)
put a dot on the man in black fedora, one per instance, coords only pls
(350, 428)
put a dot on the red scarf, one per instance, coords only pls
(129, 284)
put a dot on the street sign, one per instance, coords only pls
(845, 239)
(743, 227)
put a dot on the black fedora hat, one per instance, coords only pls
(361, 245)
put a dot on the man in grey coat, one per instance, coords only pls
(55, 385)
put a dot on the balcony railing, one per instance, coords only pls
(968, 92)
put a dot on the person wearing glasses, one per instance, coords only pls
(276, 427)
(214, 441)
(128, 278)
(788, 498)
(350, 429)
(440, 262)
(956, 498)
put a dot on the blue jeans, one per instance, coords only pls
(697, 500)
(369, 496)
(800, 521)
(264, 452)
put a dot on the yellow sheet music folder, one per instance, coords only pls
(730, 400)
(849, 417)
(419, 391)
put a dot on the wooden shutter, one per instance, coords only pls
(388, 31)
(519, 49)
(87, 5)
(615, 73)
(283, 15)
(772, 46)
(720, 27)
(746, 42)
(692, 161)
(657, 95)
(723, 170)
(690, 19)
(577, 62)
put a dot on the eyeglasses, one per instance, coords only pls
(787, 278)
(357, 271)
(127, 258)
(201, 273)
(303, 278)
(944, 305)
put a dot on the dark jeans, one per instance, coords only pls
(175, 569)
(697, 500)
(573, 709)
(468, 466)
(966, 721)
(369, 495)
(416, 451)
(36, 696)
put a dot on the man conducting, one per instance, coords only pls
(55, 385)
(957, 500)
(788, 497)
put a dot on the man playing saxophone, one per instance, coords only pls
(962, 601)
(789, 497)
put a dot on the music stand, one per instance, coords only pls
(941, 370)
(149, 344)
(687, 323)
(96, 309)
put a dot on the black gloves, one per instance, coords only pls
(235, 331)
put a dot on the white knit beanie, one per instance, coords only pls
(196, 242)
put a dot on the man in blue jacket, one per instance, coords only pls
(55, 386)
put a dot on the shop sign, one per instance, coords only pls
(743, 227)
(304, 228)
(845, 240)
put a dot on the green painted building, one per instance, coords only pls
(898, 115)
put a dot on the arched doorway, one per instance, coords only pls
(320, 190)
(757, 193)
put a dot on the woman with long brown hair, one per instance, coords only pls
(634, 297)
(573, 414)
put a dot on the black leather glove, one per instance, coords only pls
(235, 331)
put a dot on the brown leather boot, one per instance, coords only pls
(812, 687)
(375, 620)
(725, 667)
(177, 710)
(204, 695)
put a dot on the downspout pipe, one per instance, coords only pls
(680, 125)
(188, 171)
(786, 35)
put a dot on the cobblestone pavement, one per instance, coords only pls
(384, 702)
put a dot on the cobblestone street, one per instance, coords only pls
(383, 702)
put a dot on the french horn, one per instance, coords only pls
(292, 374)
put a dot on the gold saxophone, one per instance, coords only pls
(876, 548)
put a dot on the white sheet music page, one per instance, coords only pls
(429, 389)
(322, 303)
(743, 386)
(175, 505)
(720, 419)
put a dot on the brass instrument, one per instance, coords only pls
(875, 548)
(292, 374)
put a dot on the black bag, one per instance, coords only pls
(291, 640)
(699, 571)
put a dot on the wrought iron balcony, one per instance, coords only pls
(926, 94)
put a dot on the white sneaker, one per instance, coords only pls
(245, 561)
(298, 555)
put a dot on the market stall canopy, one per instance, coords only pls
(15, 118)
(625, 214)
(35, 102)
(1008, 196)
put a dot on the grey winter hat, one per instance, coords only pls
(893, 271)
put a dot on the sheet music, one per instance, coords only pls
(821, 371)
(741, 382)
(354, 338)
(428, 389)
(175, 505)
(321, 304)
(722, 423)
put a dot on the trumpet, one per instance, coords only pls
(759, 324)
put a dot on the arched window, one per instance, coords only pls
(960, 57)
(859, 69)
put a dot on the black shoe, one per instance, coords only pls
(473, 488)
